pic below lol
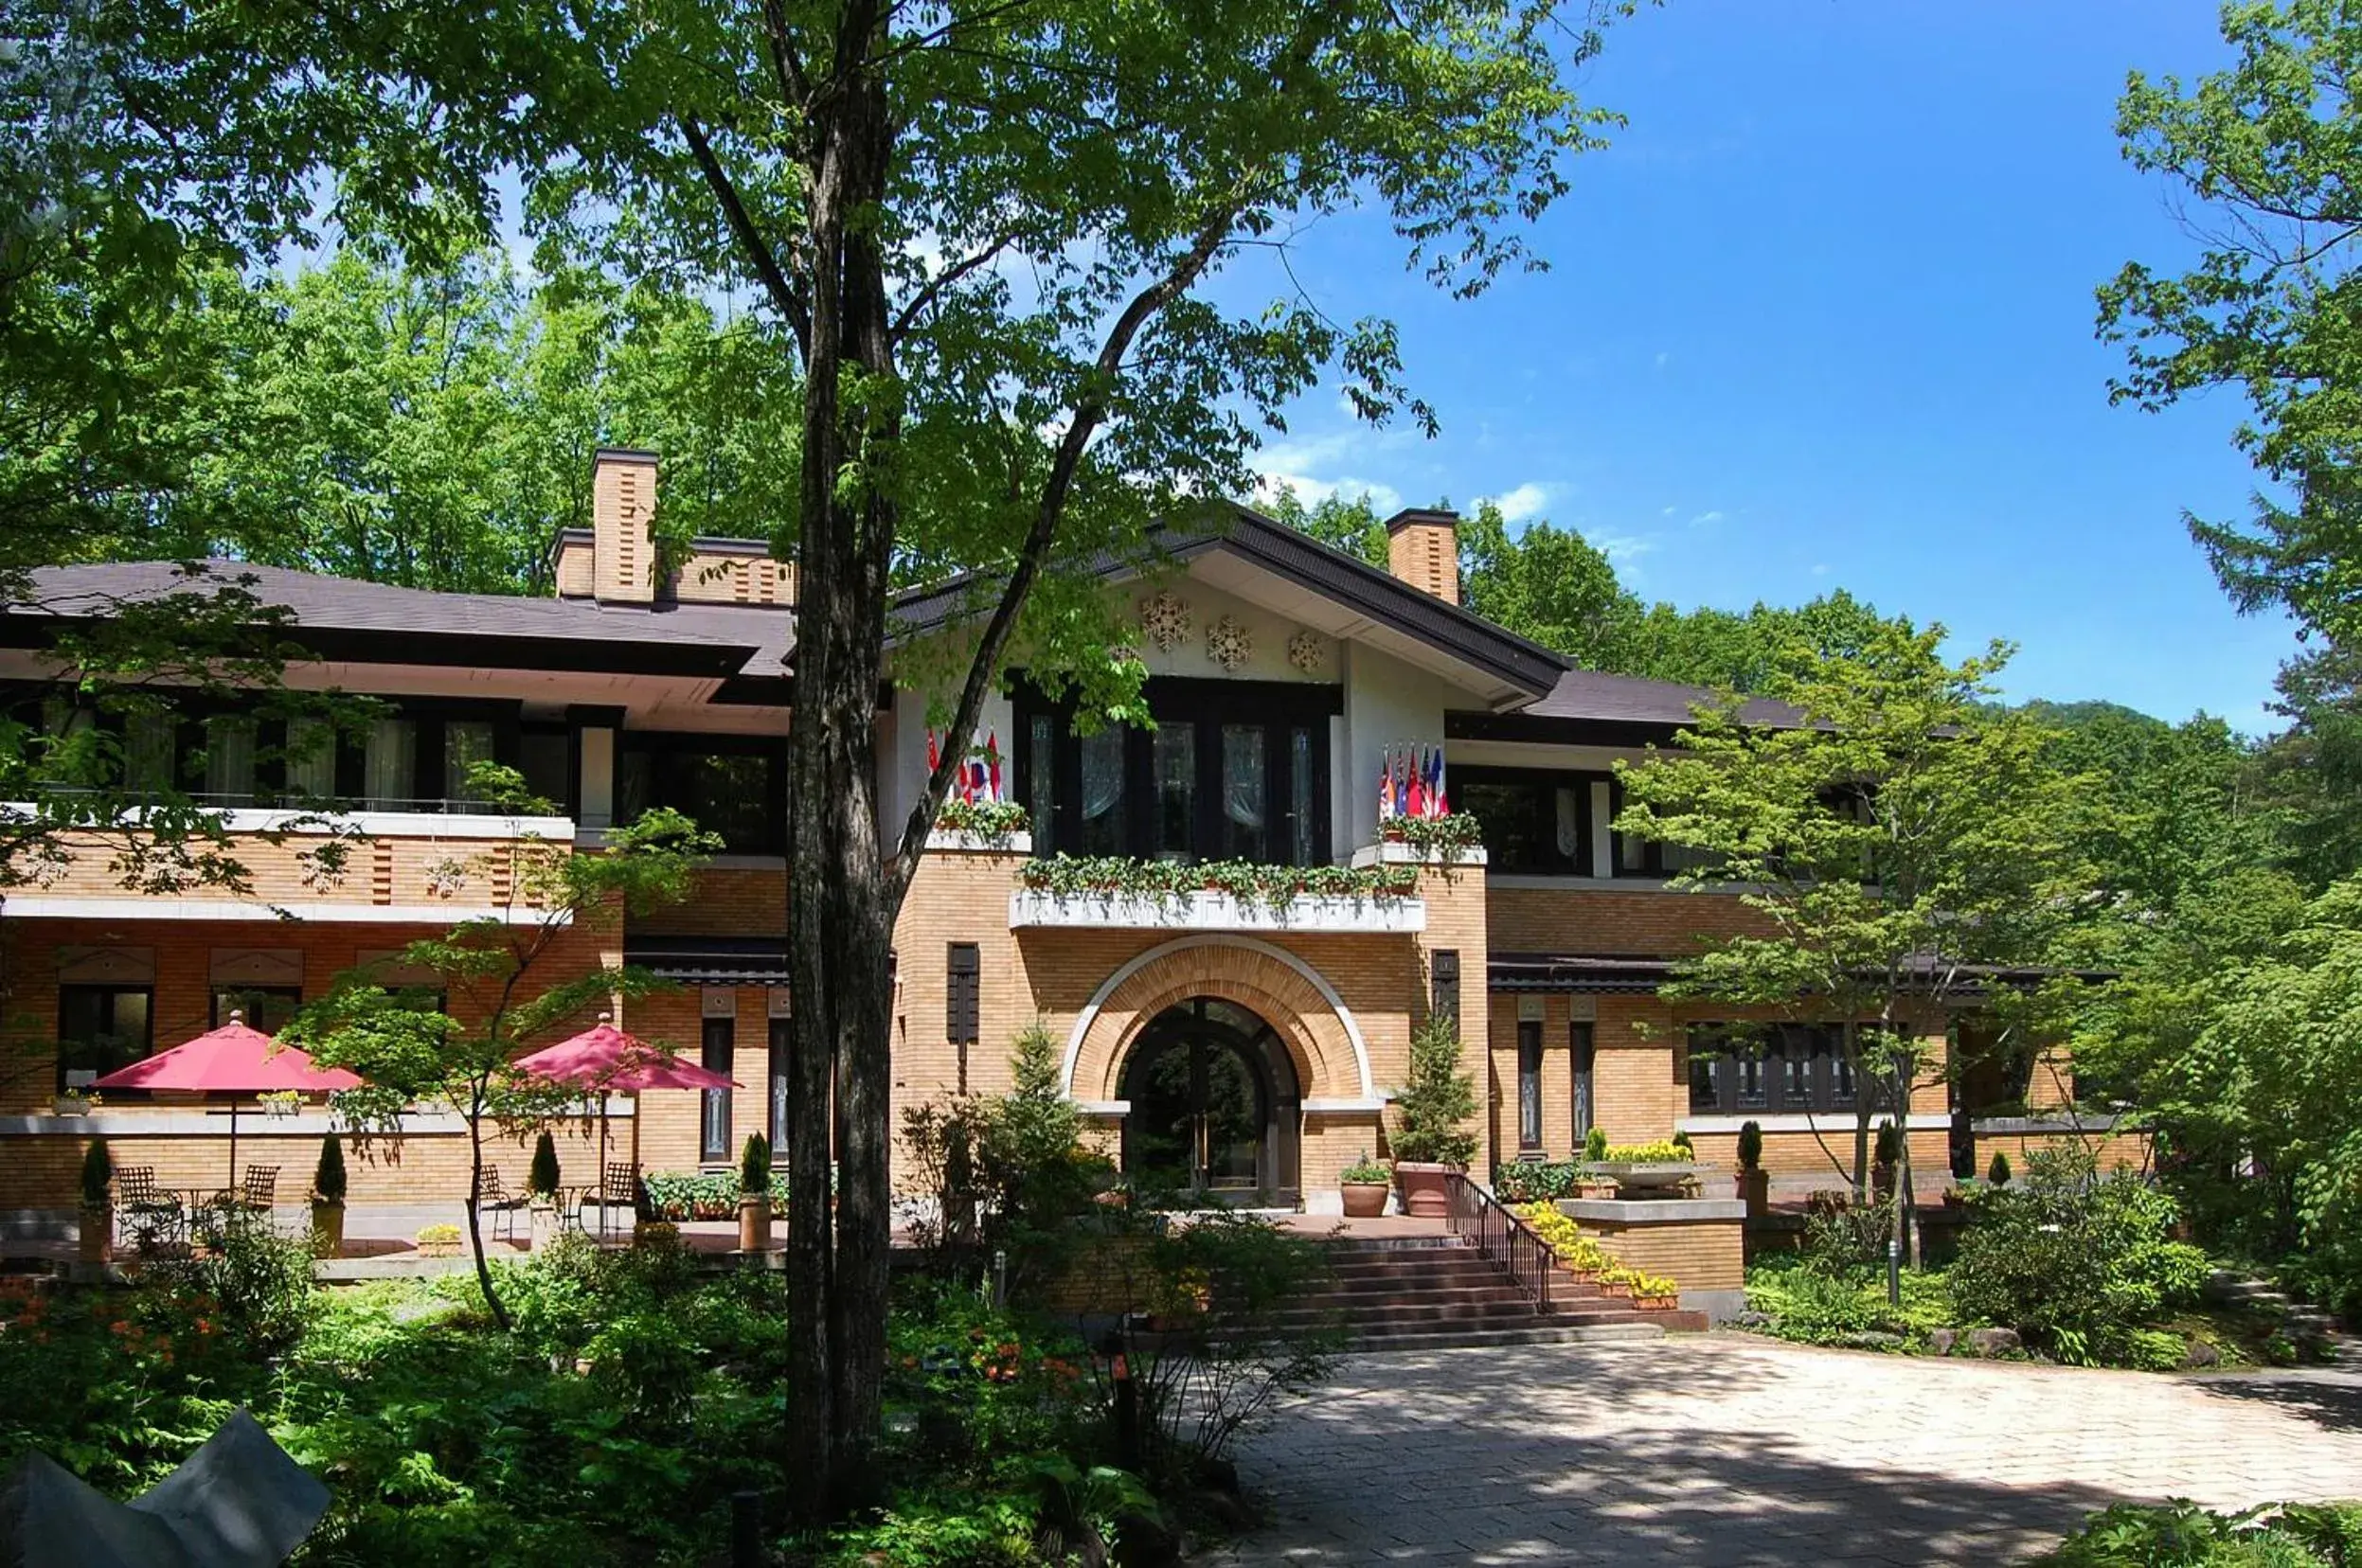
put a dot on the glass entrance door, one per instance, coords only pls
(1205, 1103)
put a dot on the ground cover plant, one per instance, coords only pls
(2182, 1535)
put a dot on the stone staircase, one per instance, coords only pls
(1439, 1293)
(2311, 1327)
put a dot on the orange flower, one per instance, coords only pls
(118, 1326)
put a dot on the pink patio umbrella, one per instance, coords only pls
(604, 1057)
(235, 1061)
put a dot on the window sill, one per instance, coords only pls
(1213, 911)
(1803, 1121)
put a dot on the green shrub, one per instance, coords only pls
(2182, 1535)
(327, 1177)
(98, 1174)
(2077, 1263)
(1999, 1171)
(1888, 1151)
(1439, 1098)
(1532, 1181)
(1681, 1141)
(541, 1177)
(754, 1165)
(1845, 1238)
(256, 1282)
(1595, 1145)
(673, 1195)
(1814, 1307)
(1364, 1171)
(1750, 1144)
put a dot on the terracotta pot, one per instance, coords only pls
(328, 1230)
(1614, 1287)
(541, 1224)
(96, 1236)
(1882, 1182)
(1656, 1304)
(1364, 1200)
(438, 1249)
(754, 1222)
(655, 1233)
(1755, 1187)
(1427, 1188)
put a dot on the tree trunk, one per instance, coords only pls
(1852, 1039)
(475, 1223)
(841, 901)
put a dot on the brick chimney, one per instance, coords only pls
(1422, 549)
(623, 508)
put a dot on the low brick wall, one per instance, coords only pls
(1699, 1241)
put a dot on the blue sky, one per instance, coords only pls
(1821, 316)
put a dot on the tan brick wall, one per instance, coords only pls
(421, 870)
(1645, 922)
(1708, 1255)
(732, 577)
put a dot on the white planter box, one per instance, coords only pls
(1394, 852)
(949, 840)
(1213, 911)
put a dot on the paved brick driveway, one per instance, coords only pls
(1725, 1449)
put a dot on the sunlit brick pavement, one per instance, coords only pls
(1725, 1449)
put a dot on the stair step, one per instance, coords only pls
(1595, 1333)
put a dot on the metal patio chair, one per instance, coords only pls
(492, 1198)
(153, 1216)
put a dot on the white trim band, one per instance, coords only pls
(1924, 1121)
(66, 908)
(1213, 911)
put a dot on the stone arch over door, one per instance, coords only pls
(1324, 1042)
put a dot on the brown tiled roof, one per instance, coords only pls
(341, 617)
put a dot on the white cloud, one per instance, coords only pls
(1706, 519)
(1821, 569)
(1667, 511)
(1663, 360)
(1311, 491)
(1524, 501)
(1621, 549)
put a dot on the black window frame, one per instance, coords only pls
(1529, 1086)
(780, 1064)
(70, 1060)
(1509, 851)
(1279, 708)
(1718, 1088)
(1443, 982)
(235, 996)
(717, 1037)
(963, 985)
(1583, 1087)
(667, 755)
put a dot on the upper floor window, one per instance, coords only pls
(1535, 821)
(727, 784)
(1778, 1068)
(1234, 770)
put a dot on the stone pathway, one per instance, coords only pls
(1725, 1449)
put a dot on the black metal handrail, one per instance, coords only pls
(1501, 1238)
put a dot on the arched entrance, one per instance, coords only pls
(1214, 1104)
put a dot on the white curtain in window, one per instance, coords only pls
(1243, 775)
(391, 764)
(148, 753)
(230, 759)
(311, 760)
(1102, 771)
(1569, 833)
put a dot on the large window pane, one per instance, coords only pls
(1175, 753)
(230, 759)
(311, 760)
(782, 1044)
(1302, 806)
(713, 1122)
(99, 1029)
(545, 758)
(1041, 779)
(1101, 824)
(467, 742)
(1529, 1084)
(1246, 794)
(729, 793)
(269, 1008)
(1706, 1072)
(390, 765)
(148, 753)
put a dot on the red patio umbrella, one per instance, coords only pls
(235, 1061)
(604, 1057)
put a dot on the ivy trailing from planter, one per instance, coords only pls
(996, 822)
(1448, 836)
(1171, 883)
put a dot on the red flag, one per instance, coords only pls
(1418, 789)
(934, 757)
(991, 764)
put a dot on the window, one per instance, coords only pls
(545, 758)
(1529, 1084)
(466, 744)
(960, 994)
(734, 786)
(1233, 769)
(148, 742)
(713, 1123)
(309, 762)
(100, 1028)
(389, 765)
(1792, 1068)
(781, 1055)
(1582, 1047)
(1536, 822)
(1443, 976)
(269, 1008)
(230, 759)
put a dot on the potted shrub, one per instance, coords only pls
(541, 1191)
(328, 1199)
(1364, 1185)
(1884, 1158)
(1436, 1102)
(1656, 1292)
(754, 1194)
(439, 1241)
(97, 1235)
(1754, 1180)
(1589, 1183)
(1999, 1171)
(1615, 1280)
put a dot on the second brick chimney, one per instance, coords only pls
(1422, 549)
(623, 511)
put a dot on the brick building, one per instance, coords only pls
(1241, 1043)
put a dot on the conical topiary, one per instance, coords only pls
(1998, 1172)
(327, 1182)
(1750, 1144)
(541, 1177)
(754, 1165)
(98, 1174)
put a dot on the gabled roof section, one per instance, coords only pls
(376, 623)
(1590, 705)
(1526, 666)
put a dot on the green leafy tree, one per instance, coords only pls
(1438, 1099)
(1550, 584)
(503, 990)
(1896, 836)
(1350, 523)
(984, 235)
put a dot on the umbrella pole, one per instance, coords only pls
(233, 1144)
